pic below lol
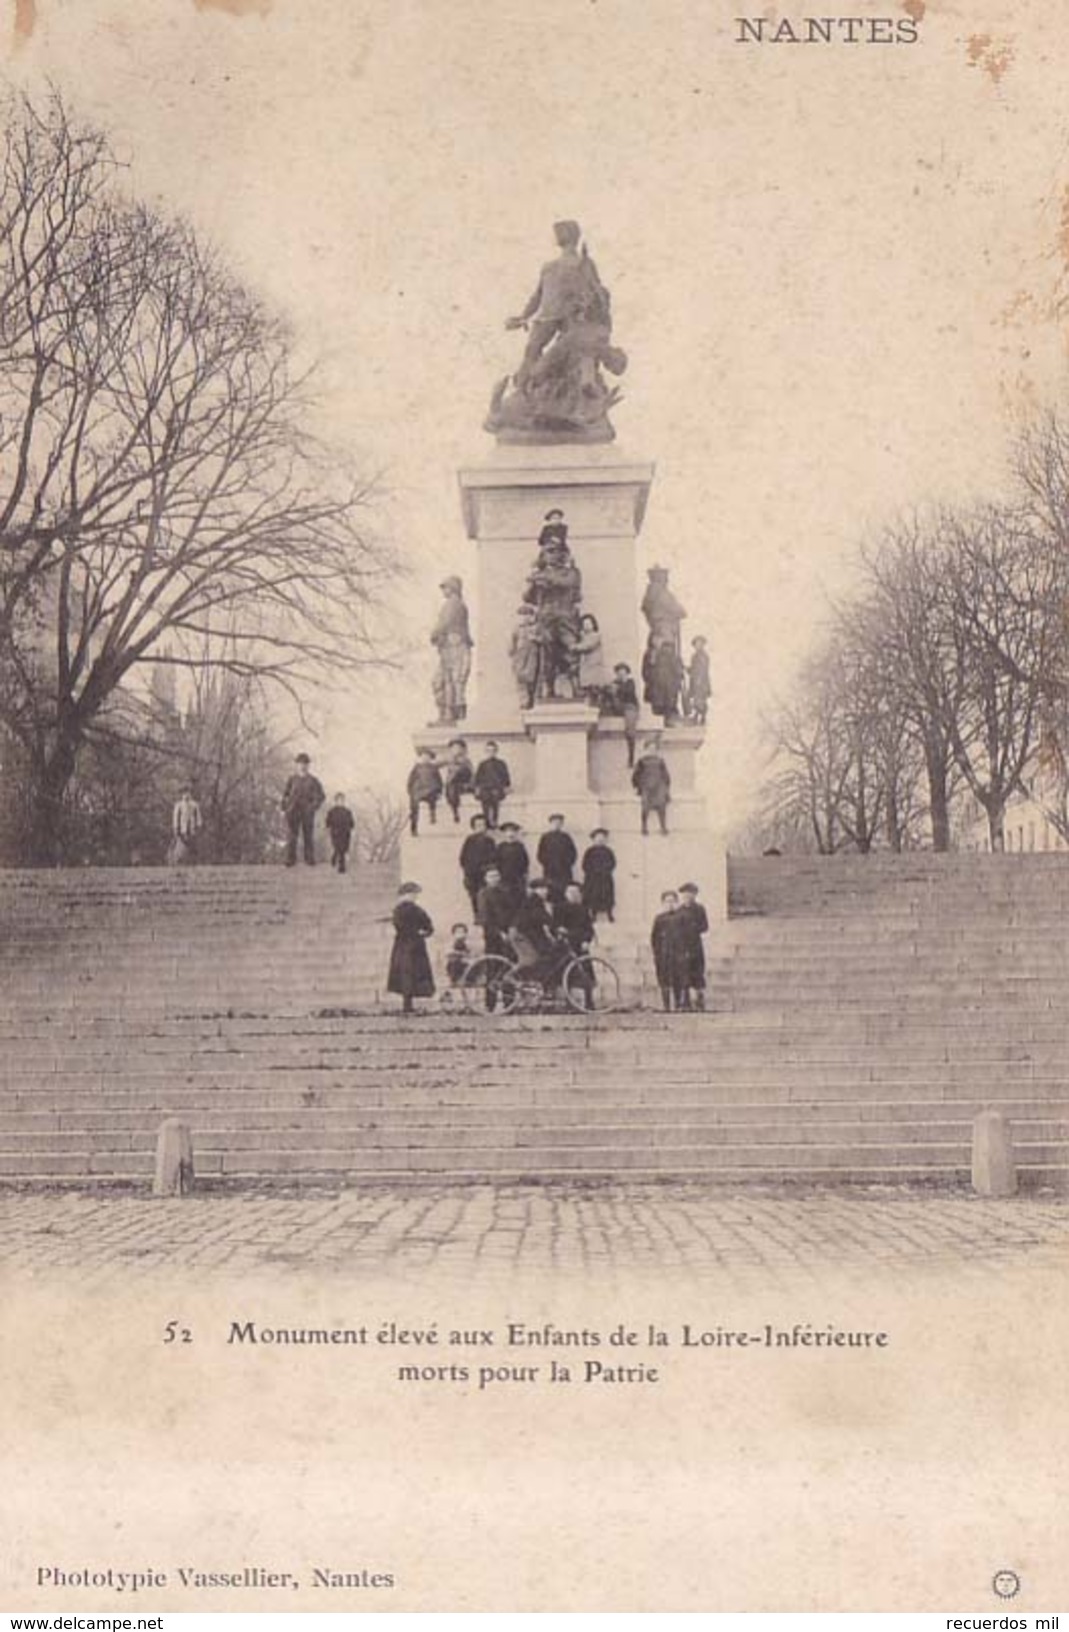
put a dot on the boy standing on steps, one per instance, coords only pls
(668, 959)
(492, 784)
(340, 824)
(693, 924)
(653, 784)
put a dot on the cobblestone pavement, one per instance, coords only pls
(740, 1237)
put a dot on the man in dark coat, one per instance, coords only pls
(599, 865)
(572, 921)
(340, 824)
(494, 909)
(572, 917)
(539, 952)
(652, 782)
(557, 857)
(513, 860)
(492, 784)
(694, 923)
(668, 957)
(424, 788)
(476, 854)
(301, 798)
(410, 968)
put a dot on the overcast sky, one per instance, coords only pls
(812, 252)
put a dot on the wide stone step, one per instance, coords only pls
(861, 1163)
(346, 1138)
(560, 1111)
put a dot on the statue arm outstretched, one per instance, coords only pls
(528, 311)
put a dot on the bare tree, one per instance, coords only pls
(907, 626)
(381, 819)
(156, 479)
(229, 755)
(828, 775)
(1002, 582)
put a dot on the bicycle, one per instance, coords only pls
(582, 983)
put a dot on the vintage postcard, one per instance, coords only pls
(534, 826)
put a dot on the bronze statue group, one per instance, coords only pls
(555, 648)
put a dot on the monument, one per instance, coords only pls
(555, 514)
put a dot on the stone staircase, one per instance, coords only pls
(865, 1009)
(130, 943)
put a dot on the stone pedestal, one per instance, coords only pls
(563, 756)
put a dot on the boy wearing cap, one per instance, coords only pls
(693, 924)
(301, 798)
(340, 824)
(459, 955)
(557, 857)
(459, 775)
(513, 861)
(653, 783)
(424, 788)
(539, 950)
(477, 853)
(699, 685)
(495, 911)
(622, 699)
(668, 959)
(410, 974)
(492, 783)
(572, 918)
(599, 885)
(573, 923)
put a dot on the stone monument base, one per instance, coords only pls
(564, 758)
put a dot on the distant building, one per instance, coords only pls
(1026, 821)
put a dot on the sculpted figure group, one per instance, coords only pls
(555, 648)
(558, 393)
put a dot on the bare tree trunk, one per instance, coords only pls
(894, 822)
(938, 799)
(996, 824)
(49, 788)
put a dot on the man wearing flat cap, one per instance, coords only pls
(301, 798)
(513, 861)
(557, 857)
(451, 636)
(693, 923)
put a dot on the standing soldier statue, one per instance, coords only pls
(451, 636)
(555, 590)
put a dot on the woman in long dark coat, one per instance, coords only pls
(410, 968)
(599, 864)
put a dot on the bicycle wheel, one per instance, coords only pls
(592, 986)
(490, 986)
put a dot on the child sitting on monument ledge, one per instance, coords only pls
(424, 788)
